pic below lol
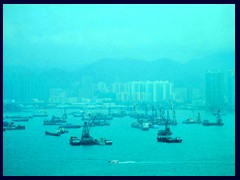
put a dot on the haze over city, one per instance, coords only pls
(71, 36)
(119, 90)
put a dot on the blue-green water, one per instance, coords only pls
(204, 150)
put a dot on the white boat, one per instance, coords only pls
(113, 161)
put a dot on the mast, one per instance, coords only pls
(219, 119)
(85, 131)
(174, 118)
(199, 118)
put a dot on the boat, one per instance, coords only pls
(5, 123)
(62, 130)
(192, 121)
(86, 139)
(218, 123)
(166, 131)
(108, 142)
(12, 117)
(55, 120)
(12, 126)
(75, 141)
(113, 161)
(51, 123)
(68, 125)
(145, 126)
(20, 119)
(104, 141)
(53, 134)
(168, 139)
(16, 117)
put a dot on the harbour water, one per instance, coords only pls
(205, 151)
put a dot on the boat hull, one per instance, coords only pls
(52, 134)
(169, 140)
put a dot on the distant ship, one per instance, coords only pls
(68, 125)
(52, 133)
(166, 131)
(86, 139)
(20, 119)
(12, 126)
(218, 123)
(168, 139)
(56, 120)
(192, 121)
(145, 126)
(57, 133)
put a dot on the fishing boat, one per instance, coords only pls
(168, 139)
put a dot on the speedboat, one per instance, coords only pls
(113, 161)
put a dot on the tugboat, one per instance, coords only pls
(218, 123)
(165, 132)
(168, 139)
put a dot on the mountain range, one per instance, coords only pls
(181, 74)
(191, 73)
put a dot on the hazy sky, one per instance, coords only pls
(61, 35)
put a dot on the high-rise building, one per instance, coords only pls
(157, 91)
(215, 89)
(230, 89)
(87, 87)
(149, 91)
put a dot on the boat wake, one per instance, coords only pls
(126, 162)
